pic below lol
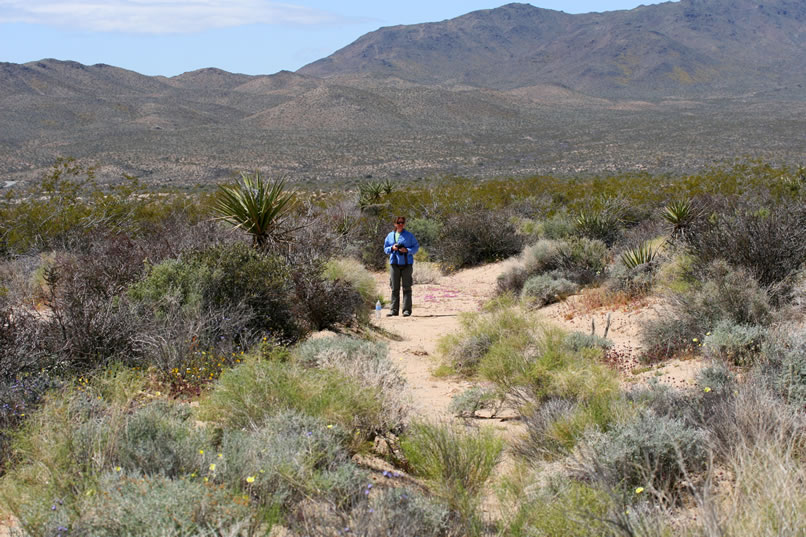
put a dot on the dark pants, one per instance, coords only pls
(400, 274)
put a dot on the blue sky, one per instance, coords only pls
(169, 37)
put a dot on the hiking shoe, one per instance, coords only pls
(406, 313)
(392, 314)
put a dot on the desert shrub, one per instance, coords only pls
(467, 403)
(648, 451)
(547, 372)
(716, 378)
(481, 333)
(583, 260)
(365, 362)
(769, 241)
(246, 395)
(288, 458)
(545, 289)
(456, 464)
(768, 471)
(661, 399)
(425, 272)
(366, 237)
(88, 326)
(223, 278)
(128, 505)
(395, 511)
(634, 280)
(576, 341)
(322, 302)
(725, 294)
(541, 439)
(603, 224)
(558, 226)
(543, 256)
(159, 438)
(426, 230)
(738, 344)
(512, 280)
(352, 272)
(784, 364)
(475, 236)
(751, 417)
(563, 507)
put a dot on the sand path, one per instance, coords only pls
(437, 307)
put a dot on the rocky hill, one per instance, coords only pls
(691, 47)
(510, 91)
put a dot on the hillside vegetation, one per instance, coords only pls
(159, 378)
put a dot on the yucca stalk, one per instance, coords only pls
(256, 206)
(640, 255)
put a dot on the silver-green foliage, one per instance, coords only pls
(544, 289)
(739, 344)
(290, 457)
(648, 451)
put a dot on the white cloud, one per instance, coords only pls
(160, 16)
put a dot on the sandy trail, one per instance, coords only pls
(436, 311)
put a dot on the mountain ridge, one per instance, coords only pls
(686, 48)
(515, 90)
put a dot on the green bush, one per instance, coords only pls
(246, 395)
(576, 341)
(480, 334)
(558, 226)
(564, 507)
(739, 344)
(580, 260)
(367, 364)
(224, 278)
(159, 438)
(426, 230)
(352, 272)
(544, 289)
(456, 464)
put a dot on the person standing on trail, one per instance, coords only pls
(400, 245)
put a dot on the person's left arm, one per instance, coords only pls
(411, 244)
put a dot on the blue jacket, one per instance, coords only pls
(406, 239)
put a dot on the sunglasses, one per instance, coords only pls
(400, 222)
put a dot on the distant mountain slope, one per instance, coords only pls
(680, 48)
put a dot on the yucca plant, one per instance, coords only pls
(679, 214)
(258, 207)
(600, 224)
(640, 255)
